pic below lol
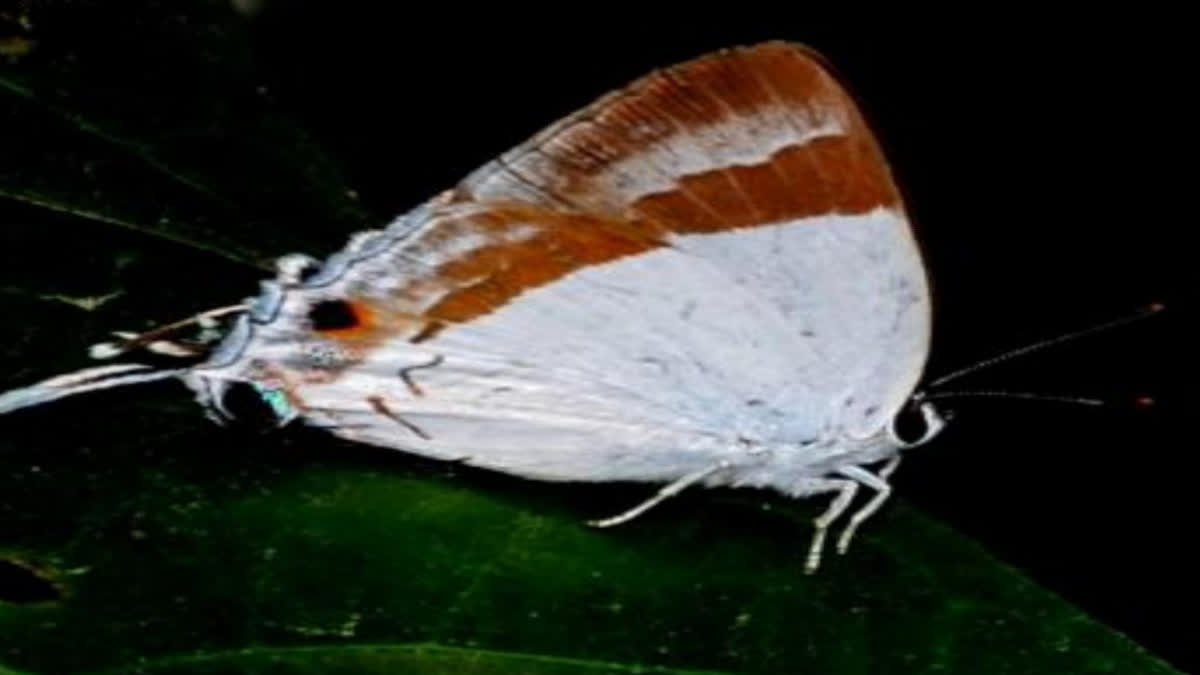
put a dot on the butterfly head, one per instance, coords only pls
(917, 423)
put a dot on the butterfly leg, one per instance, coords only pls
(666, 492)
(883, 490)
(845, 494)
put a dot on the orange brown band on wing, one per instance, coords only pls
(740, 138)
(745, 137)
(824, 166)
(556, 244)
(525, 247)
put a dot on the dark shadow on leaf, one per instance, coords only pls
(24, 585)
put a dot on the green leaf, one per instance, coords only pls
(170, 539)
(154, 542)
(430, 659)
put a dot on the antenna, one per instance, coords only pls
(1043, 344)
(1022, 395)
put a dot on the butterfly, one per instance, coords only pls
(706, 278)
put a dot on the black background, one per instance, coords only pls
(1048, 166)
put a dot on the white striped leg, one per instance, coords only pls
(882, 491)
(668, 491)
(845, 490)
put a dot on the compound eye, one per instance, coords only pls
(916, 423)
(910, 426)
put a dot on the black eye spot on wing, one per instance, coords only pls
(247, 408)
(333, 315)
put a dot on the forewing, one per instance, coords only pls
(714, 255)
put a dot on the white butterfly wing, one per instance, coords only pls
(712, 260)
